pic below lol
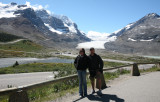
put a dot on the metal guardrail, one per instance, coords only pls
(9, 91)
(31, 86)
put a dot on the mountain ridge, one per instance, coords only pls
(140, 37)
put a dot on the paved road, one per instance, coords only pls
(24, 78)
(145, 88)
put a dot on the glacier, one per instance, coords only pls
(97, 44)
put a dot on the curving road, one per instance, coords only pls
(12, 42)
(16, 80)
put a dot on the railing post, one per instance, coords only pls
(135, 70)
(19, 96)
(158, 65)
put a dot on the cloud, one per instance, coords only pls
(1, 4)
(38, 7)
(97, 36)
(28, 3)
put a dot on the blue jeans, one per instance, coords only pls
(82, 82)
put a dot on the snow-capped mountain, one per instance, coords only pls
(120, 31)
(68, 23)
(57, 23)
(140, 37)
(38, 24)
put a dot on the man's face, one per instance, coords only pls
(92, 51)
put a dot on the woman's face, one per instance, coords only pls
(81, 53)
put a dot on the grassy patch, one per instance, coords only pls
(24, 48)
(37, 67)
(112, 75)
(10, 54)
(24, 45)
(5, 54)
(53, 91)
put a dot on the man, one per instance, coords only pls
(95, 69)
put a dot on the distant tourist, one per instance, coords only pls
(96, 70)
(81, 64)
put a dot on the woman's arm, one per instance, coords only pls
(75, 62)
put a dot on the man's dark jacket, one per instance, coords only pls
(81, 62)
(96, 63)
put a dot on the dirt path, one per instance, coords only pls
(12, 42)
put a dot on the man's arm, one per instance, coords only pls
(101, 64)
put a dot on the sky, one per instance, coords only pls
(105, 16)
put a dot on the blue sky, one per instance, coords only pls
(99, 15)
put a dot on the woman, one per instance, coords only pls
(81, 64)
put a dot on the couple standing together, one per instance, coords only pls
(95, 65)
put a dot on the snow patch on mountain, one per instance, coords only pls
(118, 32)
(131, 39)
(128, 26)
(146, 40)
(83, 33)
(52, 29)
(71, 28)
(67, 23)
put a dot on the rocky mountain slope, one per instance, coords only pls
(39, 26)
(141, 37)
